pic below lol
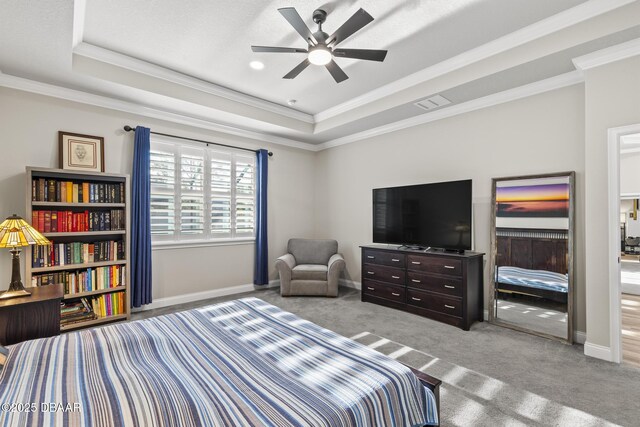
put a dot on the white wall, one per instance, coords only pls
(540, 134)
(630, 173)
(612, 99)
(30, 125)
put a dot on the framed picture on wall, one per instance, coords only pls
(81, 152)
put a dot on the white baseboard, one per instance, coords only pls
(198, 296)
(598, 351)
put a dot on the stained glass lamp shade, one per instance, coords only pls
(15, 233)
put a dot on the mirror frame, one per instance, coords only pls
(570, 257)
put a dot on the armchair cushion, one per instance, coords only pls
(309, 272)
(312, 251)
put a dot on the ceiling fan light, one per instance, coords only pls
(320, 56)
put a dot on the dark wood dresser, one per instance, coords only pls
(443, 286)
(28, 318)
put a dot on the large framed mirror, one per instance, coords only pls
(532, 241)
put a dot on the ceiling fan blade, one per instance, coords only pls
(336, 72)
(297, 70)
(366, 54)
(292, 16)
(353, 24)
(272, 49)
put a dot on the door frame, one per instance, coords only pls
(615, 288)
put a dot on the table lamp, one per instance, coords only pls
(15, 233)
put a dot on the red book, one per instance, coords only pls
(74, 223)
(85, 221)
(54, 221)
(34, 219)
(69, 220)
(47, 221)
(41, 221)
(62, 221)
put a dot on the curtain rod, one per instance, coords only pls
(129, 129)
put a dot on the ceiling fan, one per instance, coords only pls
(322, 47)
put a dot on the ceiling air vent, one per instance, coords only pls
(433, 102)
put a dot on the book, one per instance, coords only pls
(69, 192)
(85, 192)
(51, 190)
(54, 221)
(74, 193)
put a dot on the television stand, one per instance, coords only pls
(443, 286)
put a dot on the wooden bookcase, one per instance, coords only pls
(82, 236)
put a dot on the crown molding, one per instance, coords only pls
(557, 82)
(101, 54)
(608, 55)
(560, 21)
(60, 92)
(79, 12)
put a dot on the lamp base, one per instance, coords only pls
(15, 294)
(16, 288)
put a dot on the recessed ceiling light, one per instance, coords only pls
(292, 102)
(256, 65)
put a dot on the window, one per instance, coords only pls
(200, 193)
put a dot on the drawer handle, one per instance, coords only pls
(395, 277)
(370, 288)
(451, 267)
(394, 294)
(370, 272)
(449, 306)
(416, 299)
(415, 281)
(449, 287)
(415, 262)
(395, 260)
(370, 257)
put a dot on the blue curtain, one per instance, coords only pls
(261, 270)
(141, 220)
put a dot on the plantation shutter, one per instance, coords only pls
(163, 186)
(245, 196)
(192, 175)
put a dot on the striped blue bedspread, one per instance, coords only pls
(540, 279)
(238, 363)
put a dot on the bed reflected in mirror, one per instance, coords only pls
(532, 247)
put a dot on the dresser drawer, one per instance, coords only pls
(439, 303)
(444, 285)
(383, 258)
(390, 292)
(383, 273)
(435, 264)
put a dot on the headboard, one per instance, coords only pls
(533, 249)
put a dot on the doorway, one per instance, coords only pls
(628, 230)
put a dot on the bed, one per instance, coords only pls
(243, 362)
(532, 262)
(538, 283)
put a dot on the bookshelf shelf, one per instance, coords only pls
(84, 233)
(77, 266)
(77, 205)
(96, 292)
(93, 322)
(56, 178)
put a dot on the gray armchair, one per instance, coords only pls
(311, 267)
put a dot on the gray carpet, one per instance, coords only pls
(535, 318)
(492, 376)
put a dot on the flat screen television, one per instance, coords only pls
(434, 215)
